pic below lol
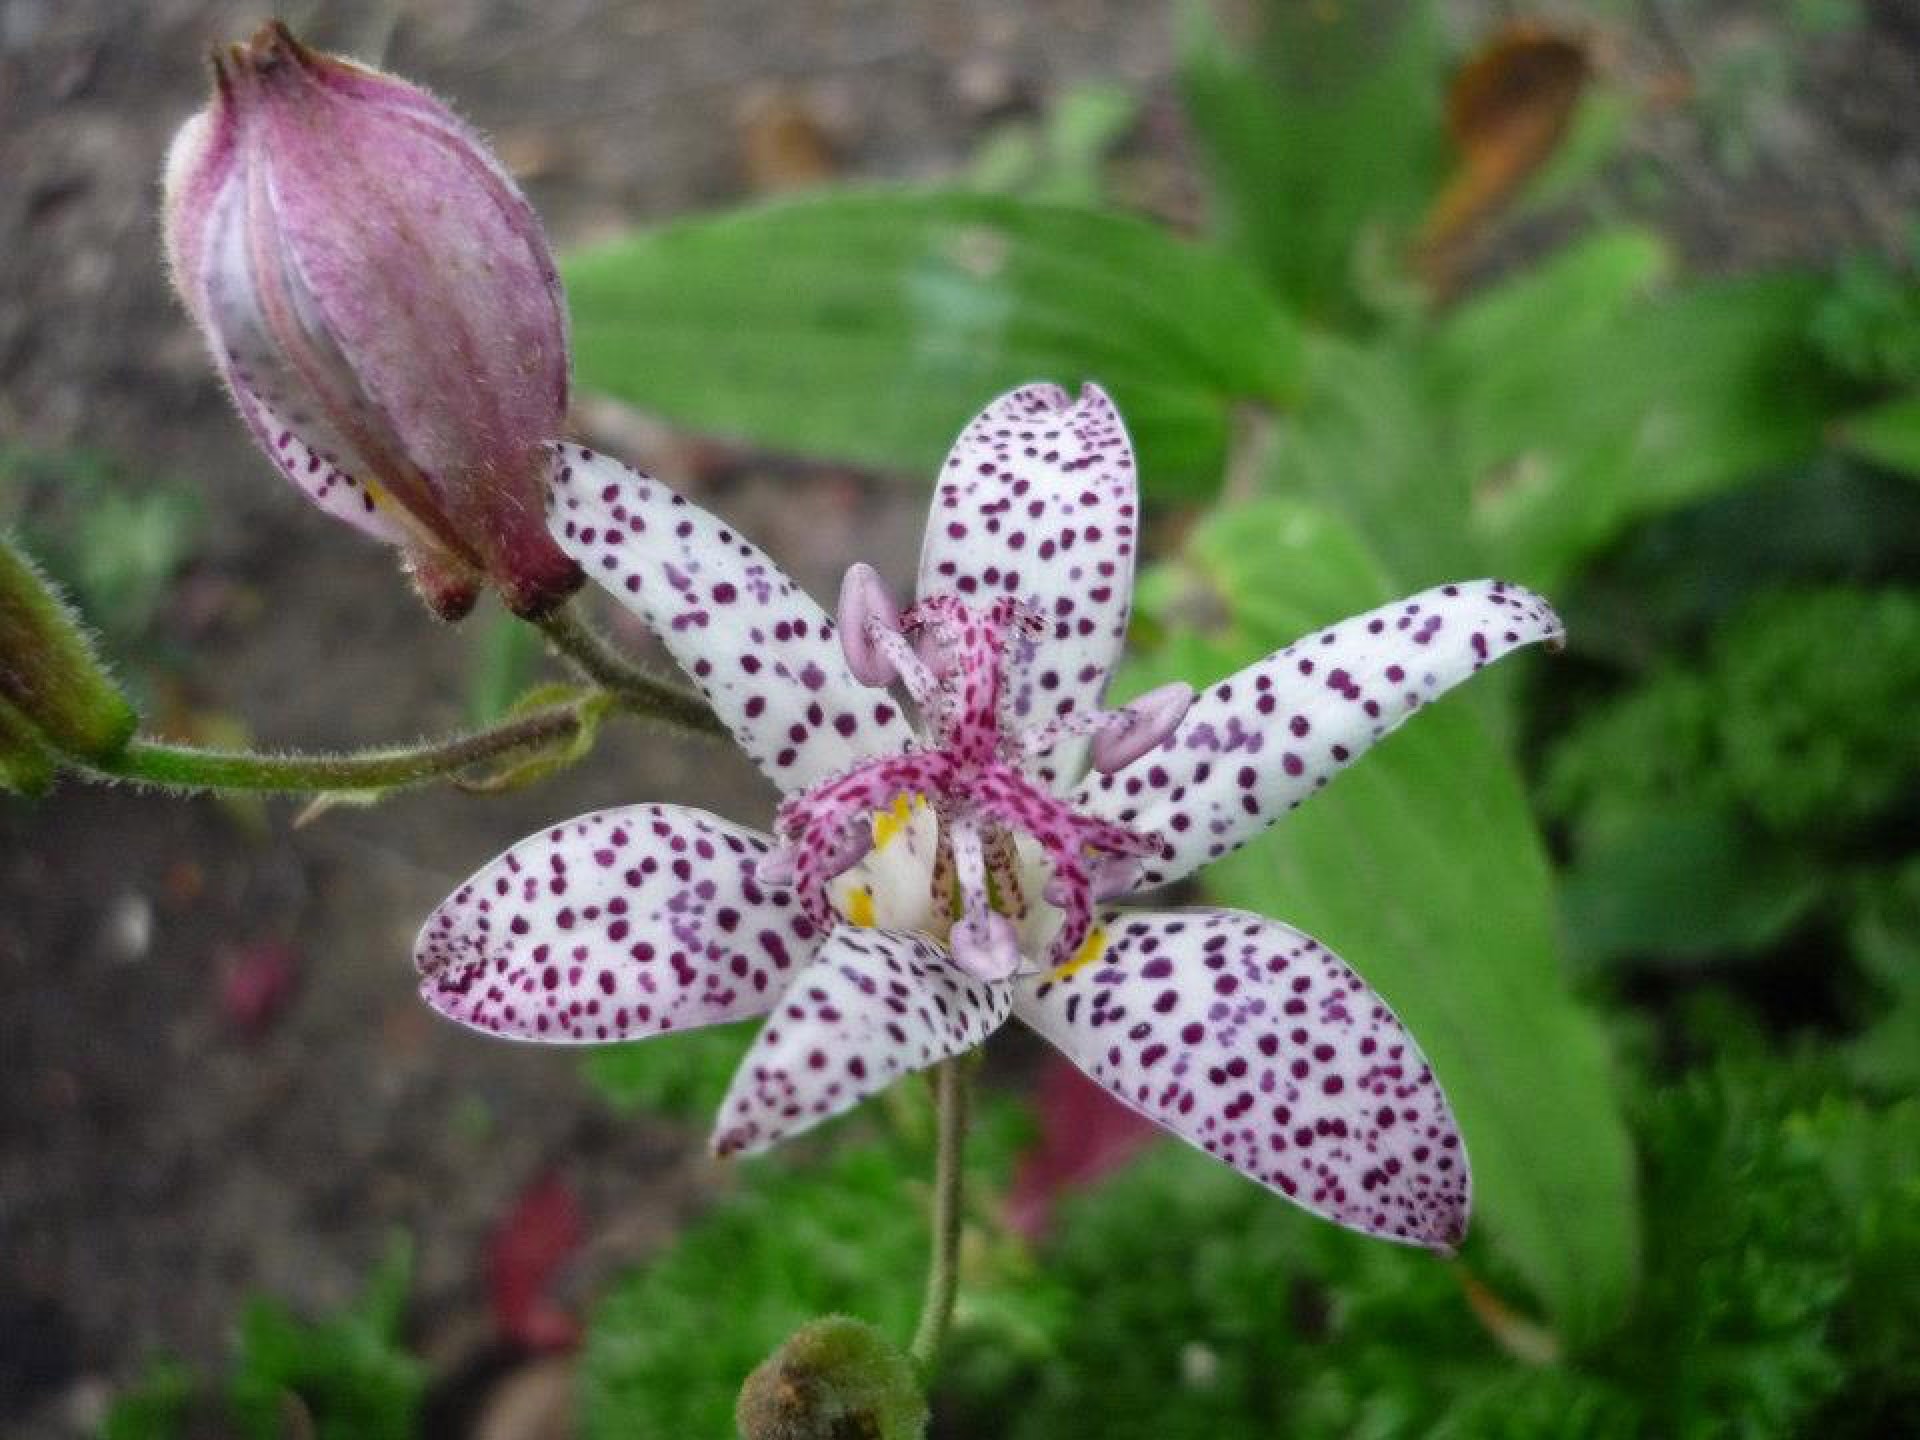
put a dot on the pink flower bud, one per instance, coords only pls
(380, 299)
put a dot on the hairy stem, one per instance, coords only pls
(637, 691)
(187, 767)
(943, 1269)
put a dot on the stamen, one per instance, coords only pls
(903, 660)
(775, 868)
(970, 868)
(867, 610)
(1108, 877)
(1149, 720)
(986, 946)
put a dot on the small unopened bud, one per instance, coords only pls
(834, 1377)
(49, 675)
(380, 299)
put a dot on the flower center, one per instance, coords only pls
(962, 664)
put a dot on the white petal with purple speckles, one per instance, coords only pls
(763, 654)
(873, 1005)
(1256, 1043)
(616, 925)
(1038, 500)
(1258, 743)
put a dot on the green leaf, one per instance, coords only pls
(1423, 869)
(1063, 161)
(502, 661)
(1322, 142)
(1366, 442)
(1579, 406)
(1888, 434)
(871, 326)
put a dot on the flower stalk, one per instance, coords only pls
(189, 768)
(637, 691)
(943, 1268)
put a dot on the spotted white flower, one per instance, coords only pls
(924, 883)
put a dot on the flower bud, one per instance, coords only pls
(380, 299)
(25, 766)
(50, 678)
(832, 1377)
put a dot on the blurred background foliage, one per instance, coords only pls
(1652, 906)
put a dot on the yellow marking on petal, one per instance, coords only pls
(1091, 949)
(889, 823)
(860, 907)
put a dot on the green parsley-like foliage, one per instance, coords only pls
(1798, 717)
(1780, 1220)
(685, 1075)
(1868, 327)
(342, 1377)
(1717, 804)
(349, 1373)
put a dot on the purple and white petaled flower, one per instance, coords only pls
(923, 882)
(379, 297)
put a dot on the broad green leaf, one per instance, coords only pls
(870, 326)
(1322, 140)
(1424, 870)
(1888, 434)
(1366, 442)
(1578, 407)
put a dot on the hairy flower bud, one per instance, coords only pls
(835, 1376)
(380, 299)
(51, 681)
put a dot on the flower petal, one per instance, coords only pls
(871, 1006)
(620, 924)
(1258, 743)
(335, 490)
(1038, 500)
(764, 655)
(1256, 1043)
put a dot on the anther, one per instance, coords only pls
(867, 606)
(986, 945)
(1145, 723)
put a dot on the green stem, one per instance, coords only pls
(637, 691)
(187, 767)
(943, 1269)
